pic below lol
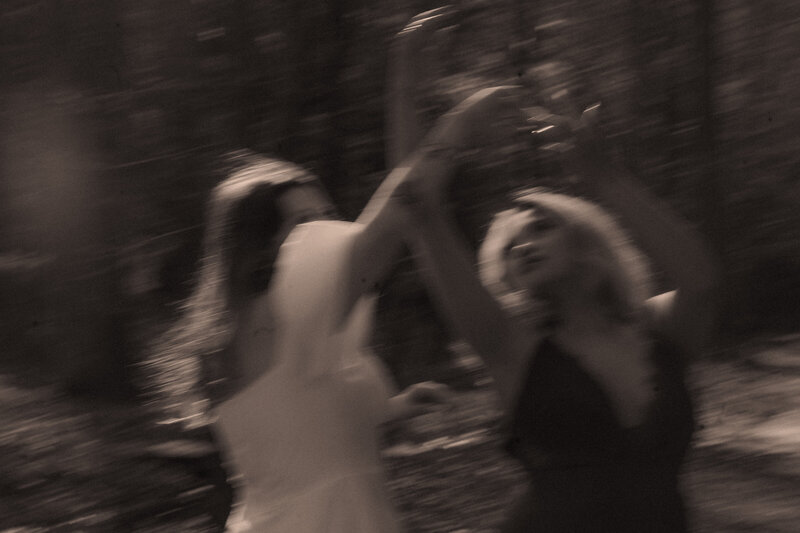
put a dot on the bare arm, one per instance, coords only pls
(387, 221)
(380, 241)
(402, 123)
(379, 245)
(406, 60)
(448, 264)
(686, 314)
(449, 268)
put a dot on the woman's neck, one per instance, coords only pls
(577, 311)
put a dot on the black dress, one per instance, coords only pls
(587, 473)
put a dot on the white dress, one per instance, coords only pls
(304, 435)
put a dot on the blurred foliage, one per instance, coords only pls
(162, 87)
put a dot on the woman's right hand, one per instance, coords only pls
(487, 115)
(410, 71)
(589, 158)
(420, 398)
(408, 44)
(490, 116)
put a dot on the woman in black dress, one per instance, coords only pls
(588, 365)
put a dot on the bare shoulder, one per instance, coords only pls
(684, 317)
(657, 312)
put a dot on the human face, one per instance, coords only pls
(538, 253)
(304, 203)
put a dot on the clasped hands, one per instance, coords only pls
(491, 115)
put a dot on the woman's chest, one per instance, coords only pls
(616, 368)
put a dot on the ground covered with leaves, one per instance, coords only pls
(74, 465)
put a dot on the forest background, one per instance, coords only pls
(114, 115)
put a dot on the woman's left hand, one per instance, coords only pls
(420, 398)
(486, 115)
(489, 114)
(589, 139)
(588, 157)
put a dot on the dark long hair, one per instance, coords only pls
(193, 364)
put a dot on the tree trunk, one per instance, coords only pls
(710, 190)
(57, 203)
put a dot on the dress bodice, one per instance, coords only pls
(304, 435)
(585, 467)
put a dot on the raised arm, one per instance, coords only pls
(379, 244)
(449, 268)
(381, 238)
(421, 181)
(403, 127)
(448, 264)
(686, 314)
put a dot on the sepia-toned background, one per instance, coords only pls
(113, 115)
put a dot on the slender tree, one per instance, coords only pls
(57, 199)
(710, 191)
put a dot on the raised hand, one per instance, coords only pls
(421, 25)
(408, 65)
(487, 115)
(412, 39)
(421, 397)
(590, 158)
(589, 135)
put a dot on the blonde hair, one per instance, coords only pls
(598, 243)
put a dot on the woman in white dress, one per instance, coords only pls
(280, 322)
(275, 332)
(303, 426)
